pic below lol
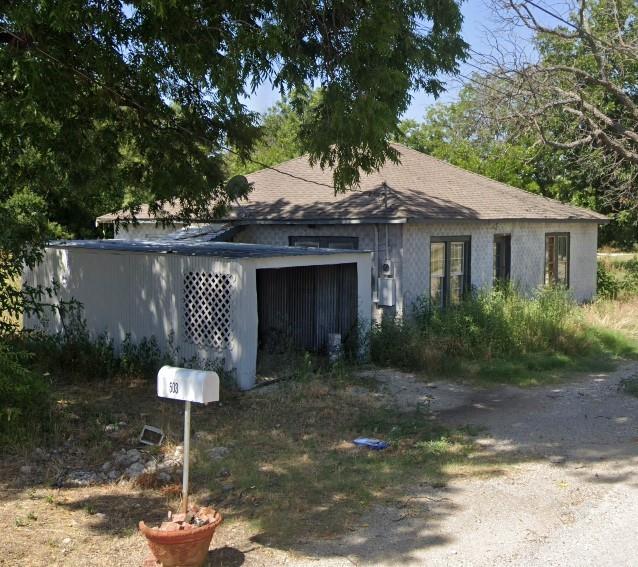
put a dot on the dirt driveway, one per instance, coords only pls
(569, 498)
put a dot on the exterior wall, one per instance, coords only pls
(145, 230)
(277, 235)
(130, 293)
(527, 254)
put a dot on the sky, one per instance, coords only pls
(476, 19)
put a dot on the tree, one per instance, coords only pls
(576, 92)
(459, 133)
(122, 103)
(456, 133)
(279, 136)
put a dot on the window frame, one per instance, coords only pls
(554, 279)
(466, 240)
(503, 237)
(324, 241)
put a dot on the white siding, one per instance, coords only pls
(128, 293)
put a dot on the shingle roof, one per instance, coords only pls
(419, 188)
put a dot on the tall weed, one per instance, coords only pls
(25, 402)
(490, 326)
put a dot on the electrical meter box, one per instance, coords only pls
(386, 291)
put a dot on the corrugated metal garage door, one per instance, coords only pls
(300, 306)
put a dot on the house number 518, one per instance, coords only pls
(173, 387)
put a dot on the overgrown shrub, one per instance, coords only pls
(617, 279)
(25, 403)
(489, 326)
(607, 284)
(74, 352)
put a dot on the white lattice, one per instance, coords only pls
(207, 308)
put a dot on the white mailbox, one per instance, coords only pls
(188, 385)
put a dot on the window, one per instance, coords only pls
(557, 259)
(344, 242)
(502, 257)
(449, 269)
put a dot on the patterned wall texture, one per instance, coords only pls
(277, 235)
(409, 250)
(528, 253)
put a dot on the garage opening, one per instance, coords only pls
(299, 307)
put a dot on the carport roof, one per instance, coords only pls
(232, 250)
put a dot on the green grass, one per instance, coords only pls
(500, 336)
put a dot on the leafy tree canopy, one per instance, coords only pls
(112, 103)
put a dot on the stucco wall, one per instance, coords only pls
(277, 235)
(527, 258)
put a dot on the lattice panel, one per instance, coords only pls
(207, 308)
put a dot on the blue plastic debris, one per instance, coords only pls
(374, 444)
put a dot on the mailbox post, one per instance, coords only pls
(189, 386)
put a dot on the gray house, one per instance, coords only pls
(434, 229)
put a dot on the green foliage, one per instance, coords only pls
(279, 136)
(25, 404)
(78, 356)
(494, 334)
(617, 279)
(456, 133)
(607, 284)
(452, 133)
(74, 353)
(113, 104)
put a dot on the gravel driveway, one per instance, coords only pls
(571, 499)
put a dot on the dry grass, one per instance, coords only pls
(292, 474)
(620, 316)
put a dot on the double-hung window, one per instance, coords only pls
(557, 258)
(449, 269)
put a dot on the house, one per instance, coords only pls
(434, 229)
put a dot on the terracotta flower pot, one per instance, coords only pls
(183, 547)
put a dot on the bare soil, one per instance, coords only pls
(564, 491)
(569, 498)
